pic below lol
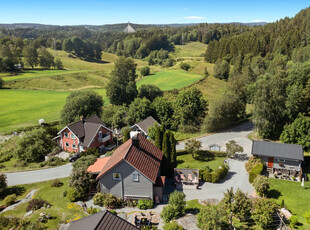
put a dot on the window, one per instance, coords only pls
(116, 176)
(135, 177)
(72, 136)
(67, 145)
(281, 160)
(73, 146)
(66, 135)
(100, 133)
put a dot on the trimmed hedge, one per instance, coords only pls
(215, 176)
(145, 204)
(255, 171)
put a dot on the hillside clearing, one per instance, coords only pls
(170, 79)
(192, 49)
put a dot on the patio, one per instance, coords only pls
(145, 219)
(186, 178)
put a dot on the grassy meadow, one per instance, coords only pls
(62, 210)
(192, 49)
(187, 161)
(170, 79)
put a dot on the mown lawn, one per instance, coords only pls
(21, 108)
(187, 161)
(170, 79)
(61, 208)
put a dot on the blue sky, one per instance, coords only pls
(99, 12)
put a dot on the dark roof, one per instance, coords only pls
(146, 123)
(86, 129)
(101, 221)
(272, 149)
(145, 157)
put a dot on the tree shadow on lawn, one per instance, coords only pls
(18, 190)
(273, 193)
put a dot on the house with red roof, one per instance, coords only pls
(86, 133)
(133, 171)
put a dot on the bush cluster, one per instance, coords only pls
(10, 199)
(252, 162)
(145, 204)
(74, 195)
(175, 207)
(56, 183)
(215, 176)
(107, 200)
(92, 210)
(53, 161)
(35, 204)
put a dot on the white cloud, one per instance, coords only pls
(194, 17)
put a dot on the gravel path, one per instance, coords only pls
(29, 177)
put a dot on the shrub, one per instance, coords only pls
(65, 193)
(172, 226)
(145, 204)
(90, 151)
(293, 221)
(261, 185)
(113, 211)
(185, 66)
(206, 176)
(74, 195)
(144, 71)
(111, 201)
(255, 172)
(84, 161)
(307, 216)
(10, 199)
(3, 182)
(252, 162)
(168, 213)
(35, 204)
(56, 183)
(92, 210)
(57, 149)
(98, 199)
(219, 174)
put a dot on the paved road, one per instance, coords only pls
(39, 175)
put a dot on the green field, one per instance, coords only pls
(192, 49)
(21, 108)
(170, 79)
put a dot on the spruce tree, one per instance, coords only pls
(158, 138)
(173, 151)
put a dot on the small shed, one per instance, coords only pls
(214, 147)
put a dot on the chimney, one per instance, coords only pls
(135, 141)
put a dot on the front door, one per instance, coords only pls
(270, 162)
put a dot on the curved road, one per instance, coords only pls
(239, 134)
(38, 175)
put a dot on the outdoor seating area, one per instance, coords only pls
(145, 219)
(284, 174)
(186, 178)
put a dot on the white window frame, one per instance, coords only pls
(72, 136)
(281, 160)
(67, 145)
(117, 178)
(135, 177)
(74, 146)
(66, 135)
(100, 134)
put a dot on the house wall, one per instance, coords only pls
(96, 143)
(288, 164)
(70, 141)
(126, 186)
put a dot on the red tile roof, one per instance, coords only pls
(98, 165)
(145, 157)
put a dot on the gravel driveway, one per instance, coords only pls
(237, 176)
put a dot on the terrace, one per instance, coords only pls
(186, 178)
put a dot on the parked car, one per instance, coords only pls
(74, 157)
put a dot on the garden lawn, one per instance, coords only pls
(187, 161)
(22, 108)
(62, 209)
(170, 79)
(296, 199)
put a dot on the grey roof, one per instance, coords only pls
(129, 29)
(146, 123)
(272, 149)
(101, 221)
(86, 129)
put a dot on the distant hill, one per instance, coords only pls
(115, 27)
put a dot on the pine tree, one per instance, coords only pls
(166, 151)
(173, 151)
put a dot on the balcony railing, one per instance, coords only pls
(104, 139)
